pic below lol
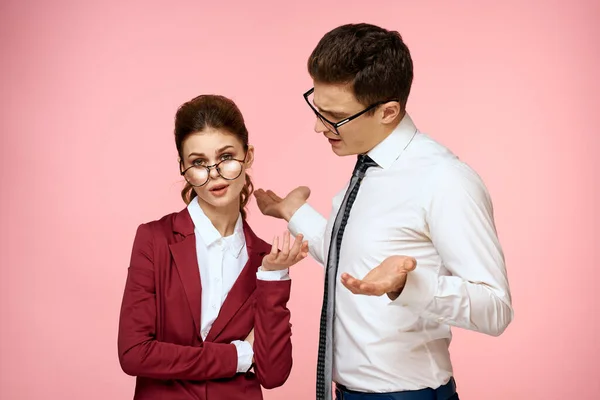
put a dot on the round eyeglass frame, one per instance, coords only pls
(209, 167)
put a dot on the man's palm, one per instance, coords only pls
(272, 205)
(388, 278)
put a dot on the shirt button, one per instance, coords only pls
(440, 319)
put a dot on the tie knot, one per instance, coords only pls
(363, 163)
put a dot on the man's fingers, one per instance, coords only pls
(264, 202)
(363, 287)
(260, 195)
(273, 196)
(348, 286)
(358, 286)
(409, 264)
(373, 289)
(266, 194)
(350, 282)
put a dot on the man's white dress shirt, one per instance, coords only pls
(421, 201)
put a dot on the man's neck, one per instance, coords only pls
(387, 130)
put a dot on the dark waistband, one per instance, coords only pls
(443, 392)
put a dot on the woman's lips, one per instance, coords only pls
(219, 190)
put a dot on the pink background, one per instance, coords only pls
(89, 92)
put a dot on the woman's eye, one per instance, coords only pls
(226, 157)
(198, 162)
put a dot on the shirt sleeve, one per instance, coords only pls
(476, 294)
(244, 355)
(282, 275)
(307, 221)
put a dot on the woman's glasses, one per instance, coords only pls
(198, 175)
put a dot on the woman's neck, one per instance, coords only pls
(222, 218)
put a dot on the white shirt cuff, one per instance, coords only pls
(282, 275)
(305, 220)
(245, 354)
(419, 290)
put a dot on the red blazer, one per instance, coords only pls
(159, 338)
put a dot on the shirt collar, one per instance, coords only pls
(209, 234)
(236, 241)
(390, 148)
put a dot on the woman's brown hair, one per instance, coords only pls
(216, 112)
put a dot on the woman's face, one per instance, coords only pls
(207, 149)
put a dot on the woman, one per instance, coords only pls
(204, 312)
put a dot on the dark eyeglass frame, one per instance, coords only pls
(209, 167)
(336, 125)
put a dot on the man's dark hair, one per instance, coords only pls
(374, 60)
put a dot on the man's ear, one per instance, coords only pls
(390, 112)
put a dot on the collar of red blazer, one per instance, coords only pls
(184, 225)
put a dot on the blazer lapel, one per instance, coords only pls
(186, 261)
(245, 284)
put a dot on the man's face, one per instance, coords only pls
(337, 102)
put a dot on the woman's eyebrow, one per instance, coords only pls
(222, 149)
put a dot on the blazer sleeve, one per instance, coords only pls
(140, 354)
(272, 333)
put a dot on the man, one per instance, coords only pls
(419, 252)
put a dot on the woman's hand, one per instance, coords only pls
(250, 338)
(278, 260)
